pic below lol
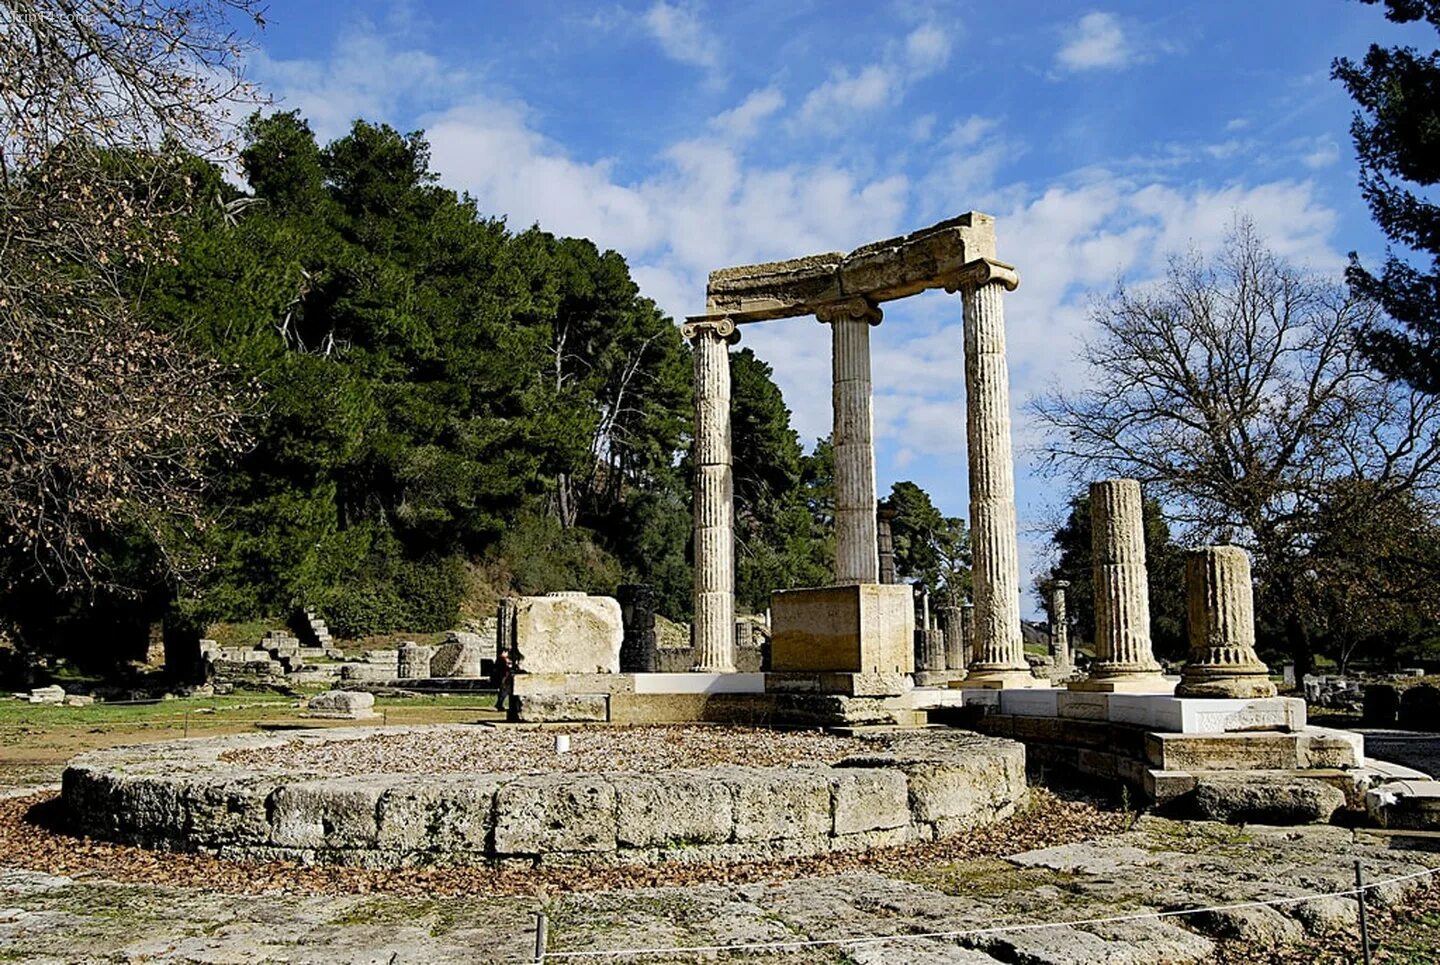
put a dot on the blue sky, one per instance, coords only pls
(694, 136)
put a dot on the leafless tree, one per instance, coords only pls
(104, 422)
(1235, 390)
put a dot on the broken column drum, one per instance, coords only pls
(856, 539)
(714, 628)
(999, 651)
(1122, 589)
(1060, 624)
(1221, 611)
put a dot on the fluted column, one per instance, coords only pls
(714, 632)
(999, 652)
(856, 541)
(1221, 610)
(1060, 624)
(1123, 658)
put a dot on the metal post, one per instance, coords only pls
(542, 935)
(1360, 897)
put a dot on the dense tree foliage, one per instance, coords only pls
(931, 549)
(1397, 140)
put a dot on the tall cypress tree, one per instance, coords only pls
(1397, 139)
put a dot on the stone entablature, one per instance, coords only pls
(180, 795)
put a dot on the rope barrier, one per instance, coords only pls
(973, 932)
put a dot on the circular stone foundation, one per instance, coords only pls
(463, 794)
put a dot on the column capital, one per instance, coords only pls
(856, 307)
(717, 327)
(981, 272)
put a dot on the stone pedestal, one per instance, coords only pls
(998, 659)
(856, 539)
(1221, 609)
(568, 633)
(857, 629)
(714, 626)
(1123, 659)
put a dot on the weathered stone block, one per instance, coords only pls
(555, 812)
(672, 809)
(557, 708)
(568, 634)
(335, 813)
(773, 804)
(437, 814)
(344, 704)
(1255, 800)
(864, 628)
(869, 799)
(846, 684)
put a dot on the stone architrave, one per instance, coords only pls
(1123, 658)
(952, 624)
(714, 627)
(1060, 625)
(857, 557)
(1221, 610)
(885, 539)
(998, 658)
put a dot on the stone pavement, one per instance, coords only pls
(1157, 865)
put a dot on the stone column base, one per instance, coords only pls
(1128, 684)
(1001, 680)
(1242, 686)
(863, 628)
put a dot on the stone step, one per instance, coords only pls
(1310, 747)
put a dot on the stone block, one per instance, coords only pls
(1030, 703)
(869, 799)
(1252, 799)
(546, 813)
(437, 814)
(556, 708)
(343, 704)
(331, 813)
(54, 694)
(699, 683)
(672, 809)
(1207, 715)
(568, 634)
(846, 684)
(1324, 747)
(774, 804)
(461, 655)
(1078, 705)
(750, 709)
(864, 628)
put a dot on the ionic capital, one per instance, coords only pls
(716, 328)
(848, 308)
(981, 272)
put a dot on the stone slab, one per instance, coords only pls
(719, 708)
(1206, 715)
(562, 708)
(1030, 702)
(863, 628)
(1125, 685)
(1254, 751)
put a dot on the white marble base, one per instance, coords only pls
(1156, 712)
(699, 683)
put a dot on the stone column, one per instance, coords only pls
(1060, 624)
(857, 558)
(637, 613)
(885, 539)
(505, 625)
(1123, 659)
(951, 621)
(967, 631)
(1221, 610)
(714, 630)
(999, 652)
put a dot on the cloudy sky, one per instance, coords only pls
(691, 136)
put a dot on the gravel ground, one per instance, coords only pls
(511, 750)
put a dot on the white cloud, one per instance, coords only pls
(681, 34)
(1097, 41)
(1323, 152)
(741, 122)
(847, 94)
